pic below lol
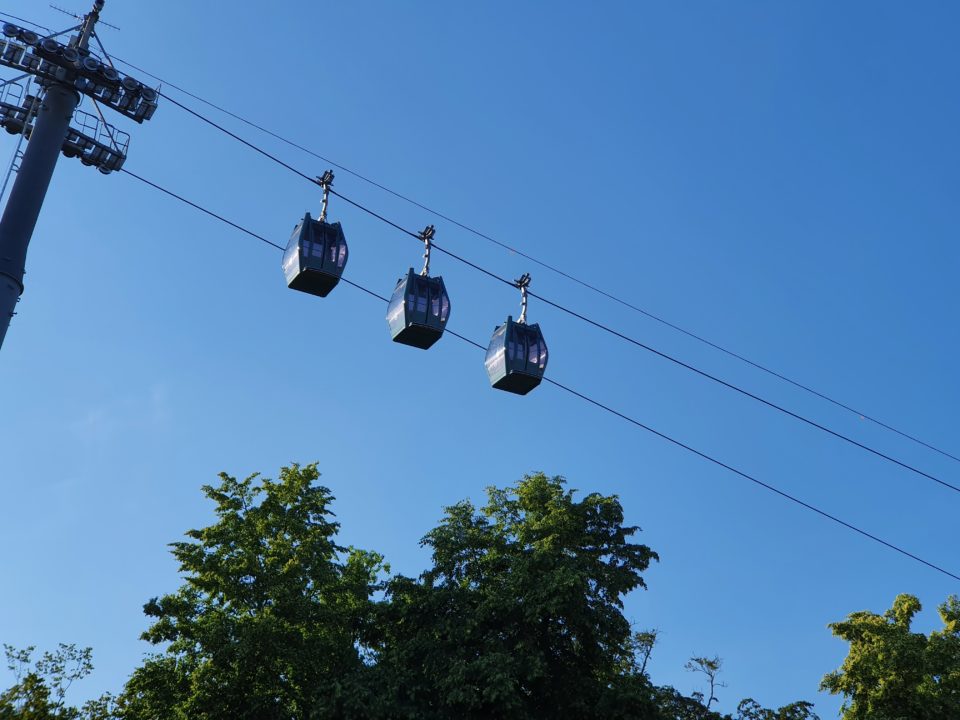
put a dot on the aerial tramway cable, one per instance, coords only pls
(594, 288)
(586, 398)
(598, 325)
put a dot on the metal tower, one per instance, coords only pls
(64, 74)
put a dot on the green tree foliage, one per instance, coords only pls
(750, 710)
(520, 615)
(268, 621)
(40, 688)
(893, 673)
(710, 668)
(675, 706)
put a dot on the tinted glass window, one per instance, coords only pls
(422, 298)
(295, 239)
(291, 258)
(495, 353)
(521, 344)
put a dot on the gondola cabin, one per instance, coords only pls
(516, 357)
(418, 310)
(315, 256)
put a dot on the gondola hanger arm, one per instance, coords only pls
(325, 181)
(523, 282)
(427, 236)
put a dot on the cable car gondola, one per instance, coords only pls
(317, 252)
(517, 355)
(420, 307)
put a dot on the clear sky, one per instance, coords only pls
(780, 177)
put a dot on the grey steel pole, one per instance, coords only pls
(26, 198)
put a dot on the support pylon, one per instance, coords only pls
(29, 189)
(65, 72)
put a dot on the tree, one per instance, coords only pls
(40, 689)
(750, 710)
(268, 621)
(644, 642)
(711, 668)
(893, 673)
(675, 706)
(520, 615)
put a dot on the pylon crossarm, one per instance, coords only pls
(52, 62)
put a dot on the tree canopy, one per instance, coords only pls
(268, 622)
(40, 688)
(893, 673)
(519, 615)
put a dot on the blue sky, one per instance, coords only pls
(779, 177)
